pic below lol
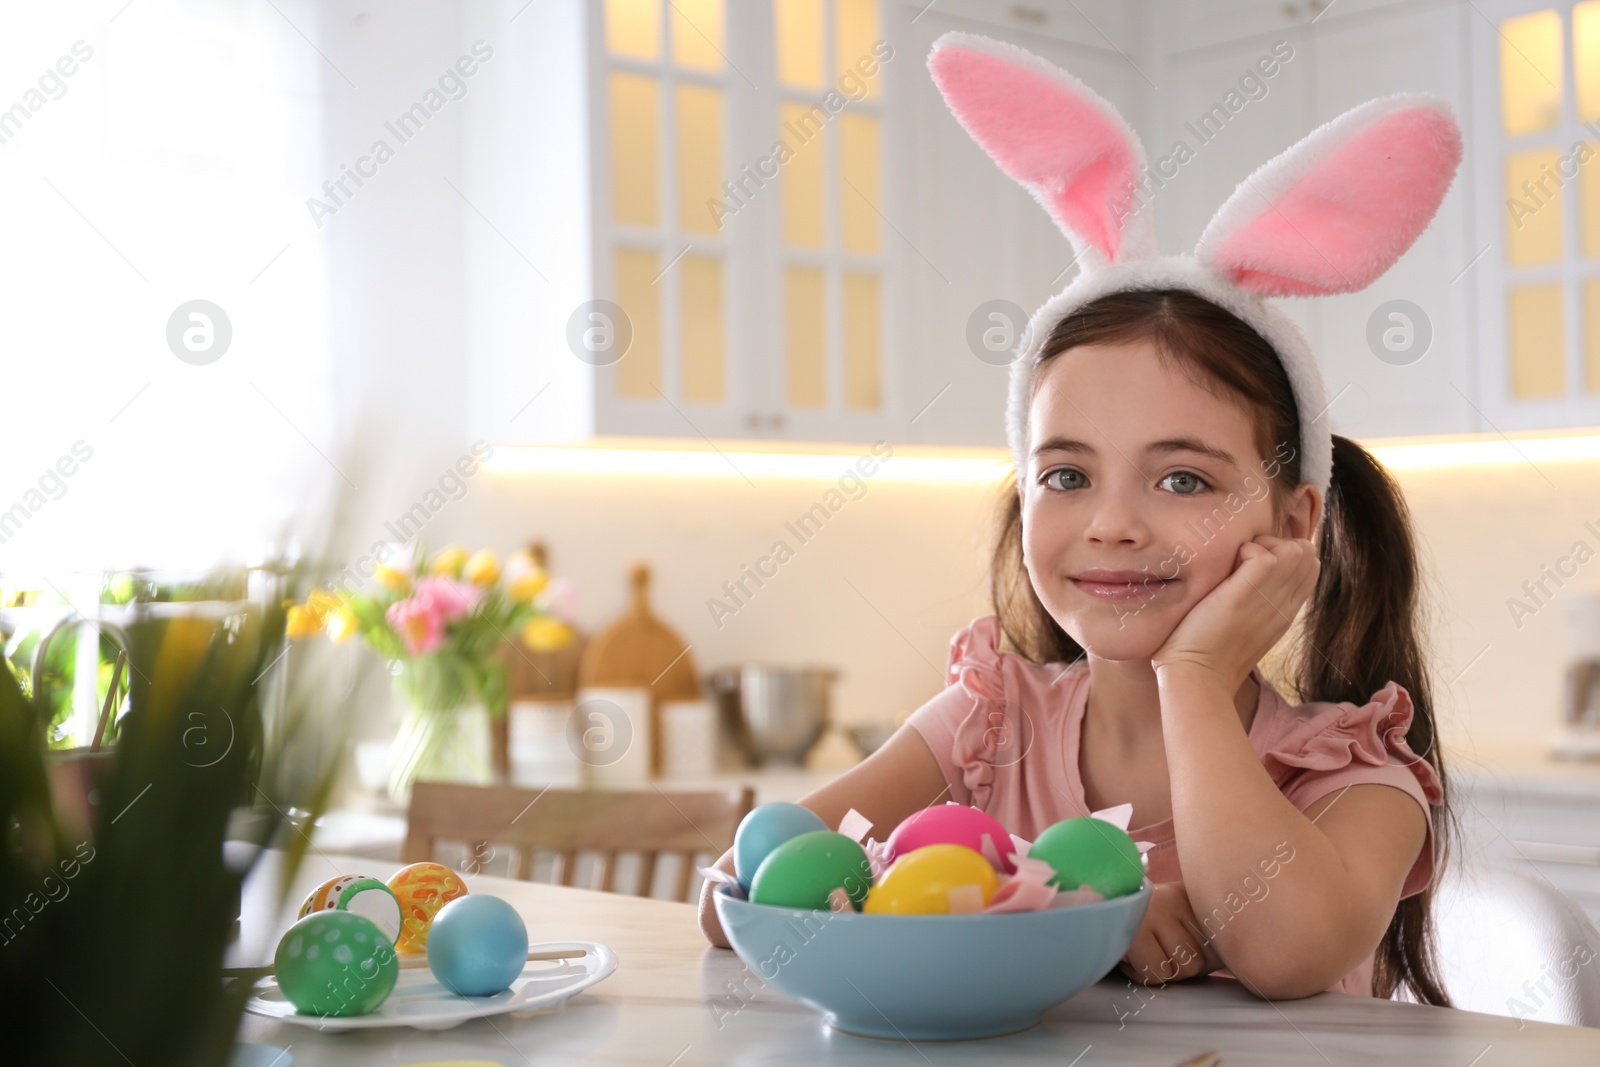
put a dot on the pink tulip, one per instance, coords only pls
(418, 626)
(561, 598)
(451, 598)
(420, 619)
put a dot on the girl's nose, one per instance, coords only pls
(1117, 520)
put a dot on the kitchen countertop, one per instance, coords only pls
(661, 1009)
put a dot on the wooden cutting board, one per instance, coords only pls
(639, 650)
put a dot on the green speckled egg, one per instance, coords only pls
(1091, 852)
(336, 963)
(801, 872)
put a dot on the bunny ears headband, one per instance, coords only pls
(1328, 215)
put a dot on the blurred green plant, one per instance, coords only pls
(112, 942)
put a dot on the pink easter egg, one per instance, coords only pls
(955, 824)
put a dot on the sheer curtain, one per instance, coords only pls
(156, 153)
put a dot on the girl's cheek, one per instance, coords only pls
(1209, 566)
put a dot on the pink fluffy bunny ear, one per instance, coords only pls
(1335, 211)
(1055, 135)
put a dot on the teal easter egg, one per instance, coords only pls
(336, 963)
(1091, 852)
(765, 828)
(801, 872)
(477, 945)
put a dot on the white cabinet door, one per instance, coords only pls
(1331, 66)
(1229, 117)
(1222, 112)
(978, 237)
(1113, 25)
(1404, 391)
(1551, 197)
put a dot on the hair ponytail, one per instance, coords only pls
(1361, 630)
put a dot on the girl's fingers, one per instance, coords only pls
(1144, 958)
(1177, 946)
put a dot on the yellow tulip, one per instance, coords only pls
(321, 603)
(482, 567)
(341, 625)
(449, 561)
(529, 584)
(391, 578)
(303, 622)
(546, 634)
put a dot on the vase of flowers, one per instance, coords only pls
(439, 621)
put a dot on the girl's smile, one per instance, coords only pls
(1120, 585)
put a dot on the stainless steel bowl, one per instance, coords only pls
(774, 713)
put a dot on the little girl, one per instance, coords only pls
(1177, 501)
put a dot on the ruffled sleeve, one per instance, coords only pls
(1330, 746)
(976, 724)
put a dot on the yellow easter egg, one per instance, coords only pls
(921, 882)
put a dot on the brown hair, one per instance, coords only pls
(1361, 627)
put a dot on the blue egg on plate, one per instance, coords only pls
(477, 945)
(764, 829)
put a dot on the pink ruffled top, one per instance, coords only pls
(1005, 731)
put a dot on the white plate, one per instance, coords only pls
(418, 1000)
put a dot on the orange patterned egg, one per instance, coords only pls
(422, 889)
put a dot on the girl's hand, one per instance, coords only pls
(1166, 948)
(710, 925)
(1239, 621)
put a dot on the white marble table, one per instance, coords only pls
(669, 1005)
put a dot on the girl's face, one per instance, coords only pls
(1141, 487)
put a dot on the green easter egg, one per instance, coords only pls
(336, 963)
(801, 872)
(1090, 852)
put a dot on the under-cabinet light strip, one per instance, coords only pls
(971, 465)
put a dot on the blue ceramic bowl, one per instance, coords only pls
(932, 976)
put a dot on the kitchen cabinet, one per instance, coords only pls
(1402, 48)
(697, 281)
(951, 232)
(730, 306)
(1337, 61)
(1545, 825)
(1534, 134)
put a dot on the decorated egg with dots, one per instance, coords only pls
(1092, 852)
(422, 889)
(335, 963)
(934, 880)
(359, 895)
(955, 824)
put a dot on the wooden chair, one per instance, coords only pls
(569, 821)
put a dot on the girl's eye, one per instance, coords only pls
(1192, 481)
(1050, 478)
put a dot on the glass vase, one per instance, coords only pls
(443, 733)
